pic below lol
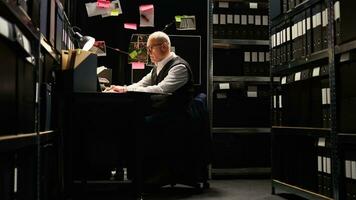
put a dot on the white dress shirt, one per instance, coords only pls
(176, 78)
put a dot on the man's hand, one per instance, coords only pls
(116, 89)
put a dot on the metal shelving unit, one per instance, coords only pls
(242, 130)
(338, 142)
(247, 133)
(234, 43)
(245, 78)
(317, 56)
(297, 190)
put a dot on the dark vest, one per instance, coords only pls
(182, 97)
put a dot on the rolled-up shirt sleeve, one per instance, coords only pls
(176, 78)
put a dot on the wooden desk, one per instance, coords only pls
(101, 133)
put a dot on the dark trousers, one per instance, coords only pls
(164, 142)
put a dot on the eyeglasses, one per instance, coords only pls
(150, 47)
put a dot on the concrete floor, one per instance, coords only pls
(239, 189)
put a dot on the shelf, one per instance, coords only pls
(245, 78)
(18, 17)
(298, 191)
(311, 131)
(229, 0)
(9, 142)
(233, 43)
(339, 49)
(50, 50)
(323, 54)
(241, 130)
(294, 11)
(103, 182)
(347, 138)
(301, 128)
(240, 171)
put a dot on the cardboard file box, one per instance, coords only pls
(79, 71)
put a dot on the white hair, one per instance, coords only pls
(160, 36)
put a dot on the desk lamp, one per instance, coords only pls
(85, 42)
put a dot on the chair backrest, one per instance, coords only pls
(200, 117)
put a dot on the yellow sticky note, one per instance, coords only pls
(133, 54)
(178, 18)
(115, 12)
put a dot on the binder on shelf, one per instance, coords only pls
(350, 171)
(59, 28)
(316, 24)
(277, 108)
(52, 22)
(309, 32)
(215, 25)
(22, 41)
(295, 39)
(305, 74)
(303, 34)
(6, 29)
(273, 47)
(253, 30)
(244, 26)
(254, 62)
(324, 167)
(344, 14)
(291, 4)
(263, 65)
(325, 101)
(237, 26)
(337, 22)
(230, 26)
(260, 29)
(288, 43)
(285, 7)
(320, 174)
(246, 63)
(278, 46)
(44, 18)
(283, 50)
(324, 26)
(222, 26)
(274, 110)
(324, 70)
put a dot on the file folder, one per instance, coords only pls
(316, 24)
(309, 38)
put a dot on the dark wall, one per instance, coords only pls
(111, 29)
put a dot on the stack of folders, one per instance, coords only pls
(309, 82)
(301, 35)
(325, 102)
(277, 108)
(240, 20)
(350, 175)
(344, 15)
(324, 168)
(290, 4)
(256, 64)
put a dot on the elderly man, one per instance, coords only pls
(163, 138)
(171, 74)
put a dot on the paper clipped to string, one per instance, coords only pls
(146, 15)
(93, 9)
